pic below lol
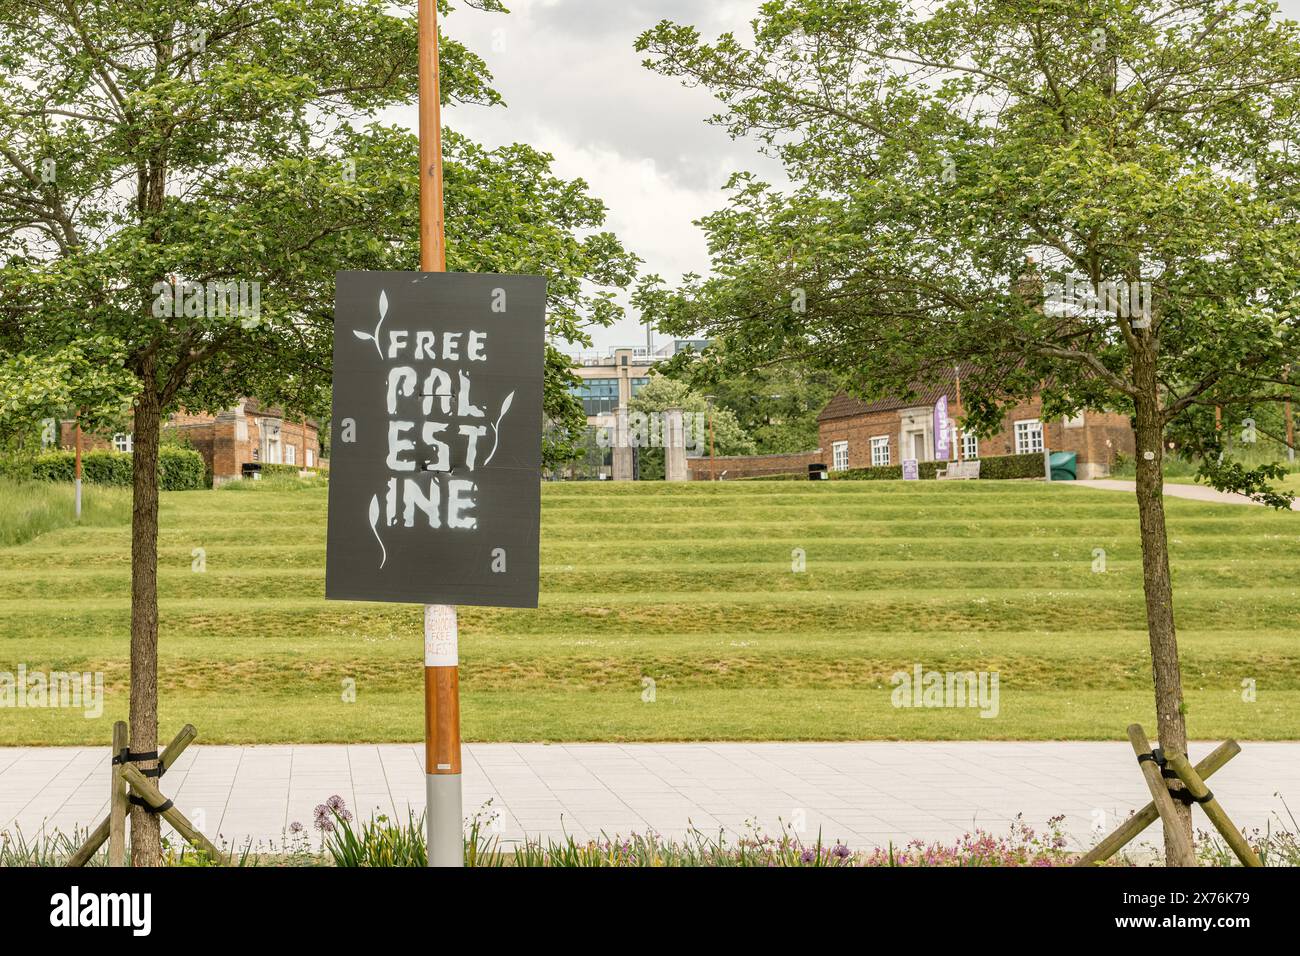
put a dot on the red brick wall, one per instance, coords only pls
(752, 466)
(858, 430)
(89, 440)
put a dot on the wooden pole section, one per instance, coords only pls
(153, 796)
(1194, 783)
(76, 467)
(433, 236)
(1131, 828)
(443, 823)
(95, 839)
(1175, 839)
(117, 802)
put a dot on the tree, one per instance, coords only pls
(703, 419)
(953, 170)
(179, 183)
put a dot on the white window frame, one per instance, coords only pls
(290, 454)
(839, 456)
(970, 446)
(879, 442)
(311, 458)
(1029, 436)
(124, 442)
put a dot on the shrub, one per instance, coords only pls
(925, 469)
(178, 469)
(293, 470)
(181, 469)
(995, 466)
(1012, 466)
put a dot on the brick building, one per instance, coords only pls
(247, 432)
(859, 434)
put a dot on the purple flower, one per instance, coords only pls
(336, 803)
(807, 856)
(841, 851)
(295, 827)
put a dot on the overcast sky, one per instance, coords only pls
(575, 88)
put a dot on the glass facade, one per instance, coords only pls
(599, 395)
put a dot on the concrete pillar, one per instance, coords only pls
(674, 446)
(622, 446)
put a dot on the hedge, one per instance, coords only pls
(179, 469)
(995, 466)
(292, 470)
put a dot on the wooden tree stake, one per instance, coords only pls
(1196, 785)
(95, 839)
(117, 801)
(1131, 828)
(1176, 840)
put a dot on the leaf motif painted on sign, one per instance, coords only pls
(496, 427)
(383, 314)
(374, 527)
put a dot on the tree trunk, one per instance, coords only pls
(1171, 727)
(146, 830)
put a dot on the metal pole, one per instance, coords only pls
(443, 818)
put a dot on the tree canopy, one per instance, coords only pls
(1098, 203)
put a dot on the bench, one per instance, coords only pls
(959, 471)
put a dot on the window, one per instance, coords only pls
(638, 384)
(311, 458)
(291, 454)
(599, 395)
(1029, 437)
(123, 442)
(880, 450)
(839, 455)
(970, 446)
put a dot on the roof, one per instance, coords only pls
(844, 405)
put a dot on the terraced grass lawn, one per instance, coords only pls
(690, 586)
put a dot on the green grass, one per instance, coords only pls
(690, 586)
(32, 508)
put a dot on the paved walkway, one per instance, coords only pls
(1172, 490)
(868, 793)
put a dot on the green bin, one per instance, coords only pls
(1064, 465)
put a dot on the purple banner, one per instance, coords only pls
(942, 426)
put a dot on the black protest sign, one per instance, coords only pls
(435, 452)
